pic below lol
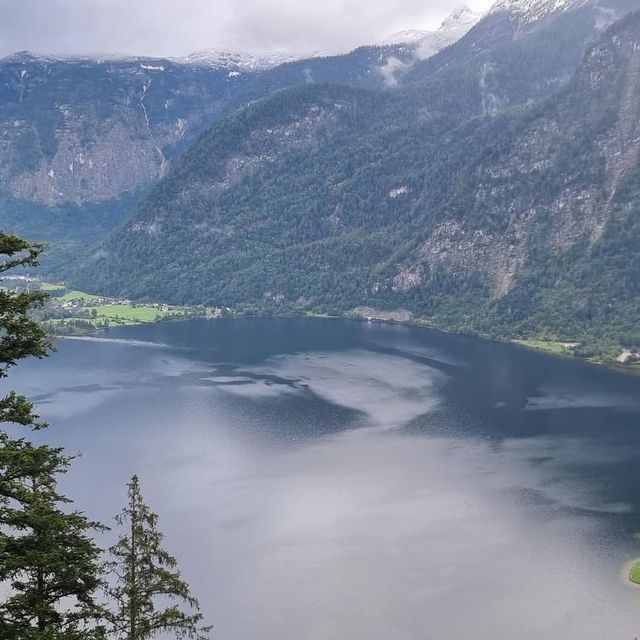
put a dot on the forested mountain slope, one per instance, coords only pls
(523, 50)
(83, 138)
(517, 221)
(77, 130)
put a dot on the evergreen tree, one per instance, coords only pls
(146, 578)
(49, 567)
(48, 560)
(21, 336)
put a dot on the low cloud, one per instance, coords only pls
(177, 27)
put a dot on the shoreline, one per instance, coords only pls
(524, 343)
(114, 313)
(625, 574)
(411, 322)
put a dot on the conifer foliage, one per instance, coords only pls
(49, 564)
(48, 559)
(150, 595)
(21, 336)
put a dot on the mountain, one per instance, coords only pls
(527, 12)
(377, 67)
(82, 139)
(86, 129)
(239, 61)
(522, 50)
(514, 221)
(428, 43)
(82, 130)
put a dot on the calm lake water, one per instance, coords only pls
(321, 479)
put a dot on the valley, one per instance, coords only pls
(77, 313)
(481, 178)
(320, 346)
(476, 198)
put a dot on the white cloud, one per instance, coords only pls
(176, 27)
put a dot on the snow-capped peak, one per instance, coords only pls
(428, 43)
(409, 36)
(214, 58)
(530, 11)
(461, 17)
(241, 61)
(29, 57)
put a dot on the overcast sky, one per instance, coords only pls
(176, 27)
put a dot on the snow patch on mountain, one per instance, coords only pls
(410, 36)
(529, 11)
(428, 43)
(460, 18)
(218, 58)
(213, 58)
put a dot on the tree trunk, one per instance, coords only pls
(132, 578)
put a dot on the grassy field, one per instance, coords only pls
(80, 313)
(634, 574)
(115, 314)
(127, 312)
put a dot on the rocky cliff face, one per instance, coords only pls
(74, 130)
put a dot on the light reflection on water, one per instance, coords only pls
(358, 481)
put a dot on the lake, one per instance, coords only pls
(326, 479)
